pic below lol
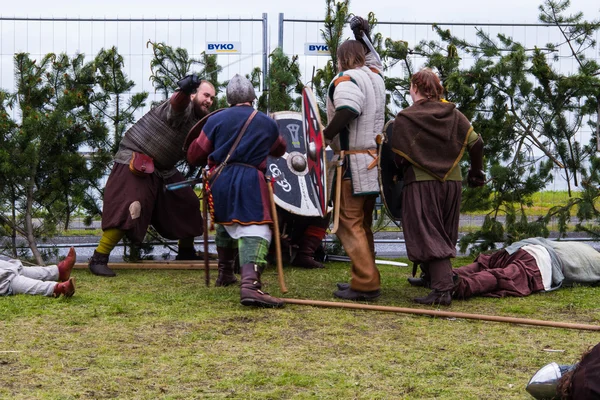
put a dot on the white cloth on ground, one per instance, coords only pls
(543, 261)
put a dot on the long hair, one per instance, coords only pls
(351, 54)
(428, 84)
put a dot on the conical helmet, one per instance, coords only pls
(240, 90)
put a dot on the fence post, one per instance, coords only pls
(280, 38)
(265, 50)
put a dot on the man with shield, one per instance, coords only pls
(355, 110)
(235, 142)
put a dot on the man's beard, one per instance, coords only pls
(201, 110)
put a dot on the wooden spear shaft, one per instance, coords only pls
(205, 236)
(276, 235)
(445, 314)
(338, 193)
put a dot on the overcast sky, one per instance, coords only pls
(514, 11)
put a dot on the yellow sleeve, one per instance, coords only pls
(473, 136)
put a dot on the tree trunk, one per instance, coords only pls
(14, 230)
(29, 225)
(68, 212)
(598, 125)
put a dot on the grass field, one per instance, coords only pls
(542, 203)
(163, 334)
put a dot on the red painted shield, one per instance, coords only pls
(316, 156)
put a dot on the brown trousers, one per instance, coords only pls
(354, 231)
(174, 214)
(430, 216)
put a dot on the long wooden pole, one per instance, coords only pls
(338, 193)
(445, 314)
(164, 265)
(205, 218)
(276, 234)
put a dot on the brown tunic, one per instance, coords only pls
(174, 214)
(431, 135)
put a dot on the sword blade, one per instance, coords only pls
(378, 262)
(183, 184)
(370, 46)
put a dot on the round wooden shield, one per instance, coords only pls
(316, 148)
(293, 189)
(391, 180)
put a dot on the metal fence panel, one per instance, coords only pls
(40, 36)
(294, 33)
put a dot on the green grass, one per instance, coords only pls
(81, 232)
(163, 334)
(542, 202)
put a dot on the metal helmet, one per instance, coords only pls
(543, 384)
(240, 90)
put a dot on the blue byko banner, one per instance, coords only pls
(316, 49)
(223, 47)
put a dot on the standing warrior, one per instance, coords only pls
(236, 142)
(431, 137)
(355, 109)
(134, 196)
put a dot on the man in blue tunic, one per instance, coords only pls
(238, 187)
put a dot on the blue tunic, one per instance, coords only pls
(240, 192)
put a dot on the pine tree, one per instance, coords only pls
(112, 101)
(48, 176)
(283, 82)
(336, 17)
(522, 107)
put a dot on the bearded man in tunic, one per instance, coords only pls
(235, 142)
(134, 196)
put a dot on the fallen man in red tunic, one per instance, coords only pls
(525, 267)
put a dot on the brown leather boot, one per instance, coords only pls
(66, 266)
(98, 265)
(435, 298)
(306, 252)
(443, 298)
(67, 288)
(189, 253)
(250, 293)
(422, 281)
(226, 264)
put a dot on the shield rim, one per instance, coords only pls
(379, 176)
(308, 96)
(197, 129)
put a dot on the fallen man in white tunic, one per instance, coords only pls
(52, 281)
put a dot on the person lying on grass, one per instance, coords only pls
(525, 267)
(16, 278)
